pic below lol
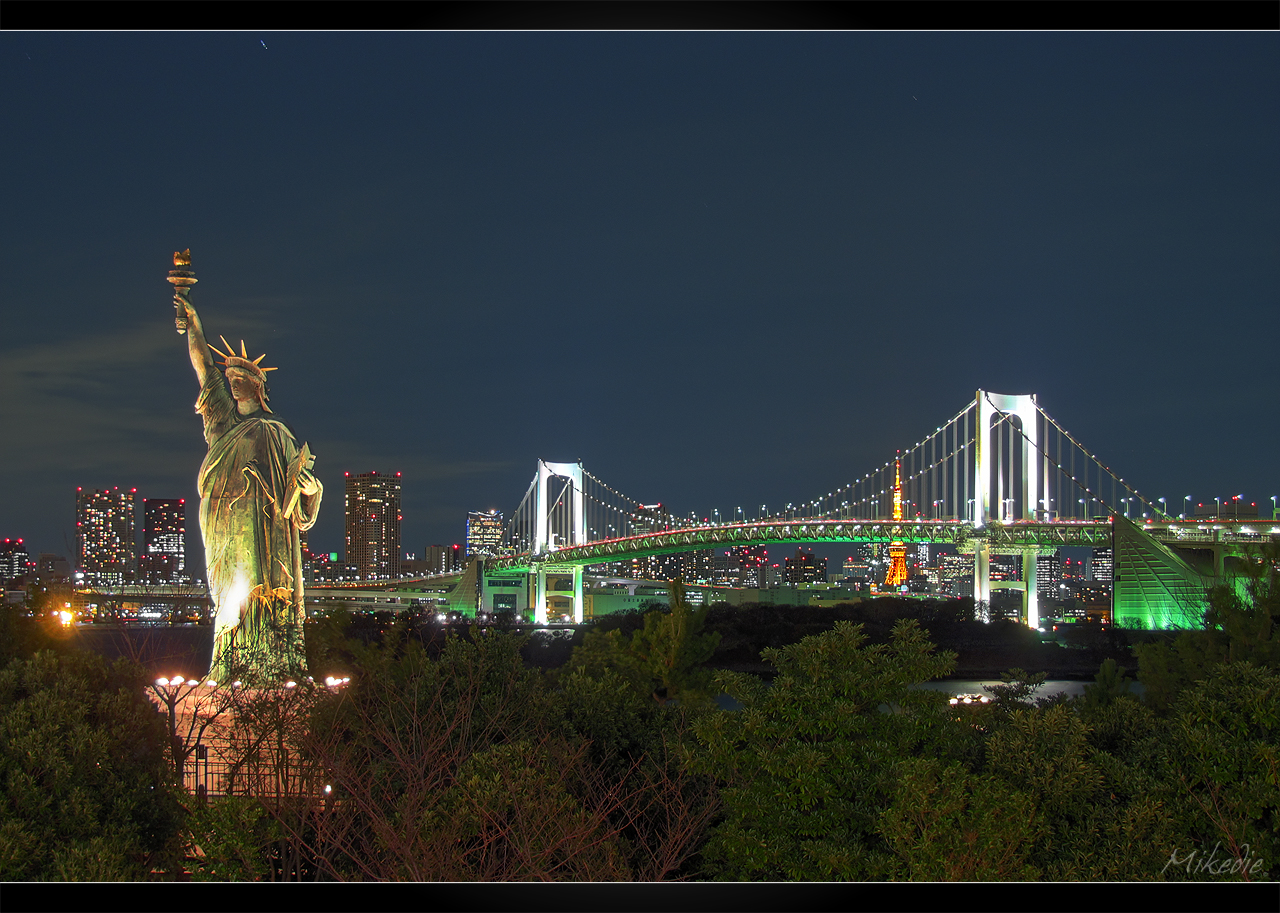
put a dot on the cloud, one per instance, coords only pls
(103, 403)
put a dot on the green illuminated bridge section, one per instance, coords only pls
(1013, 536)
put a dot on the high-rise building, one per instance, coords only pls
(1049, 571)
(484, 532)
(955, 574)
(443, 559)
(164, 540)
(1102, 567)
(51, 568)
(14, 559)
(650, 518)
(373, 524)
(804, 567)
(107, 535)
(747, 566)
(1005, 567)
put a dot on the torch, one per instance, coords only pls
(181, 280)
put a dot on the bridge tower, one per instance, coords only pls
(543, 546)
(1023, 407)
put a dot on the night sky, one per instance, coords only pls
(721, 269)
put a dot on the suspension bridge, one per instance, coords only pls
(1000, 477)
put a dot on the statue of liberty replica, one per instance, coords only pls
(257, 494)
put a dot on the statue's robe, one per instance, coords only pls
(253, 554)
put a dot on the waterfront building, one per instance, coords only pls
(1006, 567)
(955, 574)
(804, 567)
(1102, 565)
(443, 559)
(373, 525)
(484, 533)
(747, 566)
(15, 561)
(164, 538)
(107, 536)
(1049, 571)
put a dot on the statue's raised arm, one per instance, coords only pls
(197, 347)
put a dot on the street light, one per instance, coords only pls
(1165, 509)
(1187, 498)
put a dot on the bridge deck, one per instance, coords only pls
(1014, 536)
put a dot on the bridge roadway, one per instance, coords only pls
(1014, 537)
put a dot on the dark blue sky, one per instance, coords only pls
(720, 268)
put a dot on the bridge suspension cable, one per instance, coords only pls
(939, 478)
(1115, 479)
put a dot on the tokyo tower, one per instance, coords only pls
(897, 573)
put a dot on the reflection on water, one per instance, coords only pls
(951, 686)
(1048, 689)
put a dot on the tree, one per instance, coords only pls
(466, 766)
(1109, 684)
(1237, 628)
(946, 824)
(807, 765)
(84, 781)
(671, 649)
(640, 745)
(232, 838)
(1228, 762)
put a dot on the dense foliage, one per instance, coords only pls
(449, 757)
(85, 786)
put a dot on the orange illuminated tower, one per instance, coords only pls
(897, 573)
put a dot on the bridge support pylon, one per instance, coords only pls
(543, 543)
(1022, 406)
(1030, 569)
(540, 591)
(982, 580)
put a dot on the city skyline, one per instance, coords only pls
(884, 222)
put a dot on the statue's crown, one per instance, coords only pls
(231, 360)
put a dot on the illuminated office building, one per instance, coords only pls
(14, 559)
(1006, 567)
(955, 574)
(484, 533)
(746, 566)
(107, 535)
(443, 559)
(1102, 565)
(805, 568)
(164, 537)
(373, 525)
(1049, 571)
